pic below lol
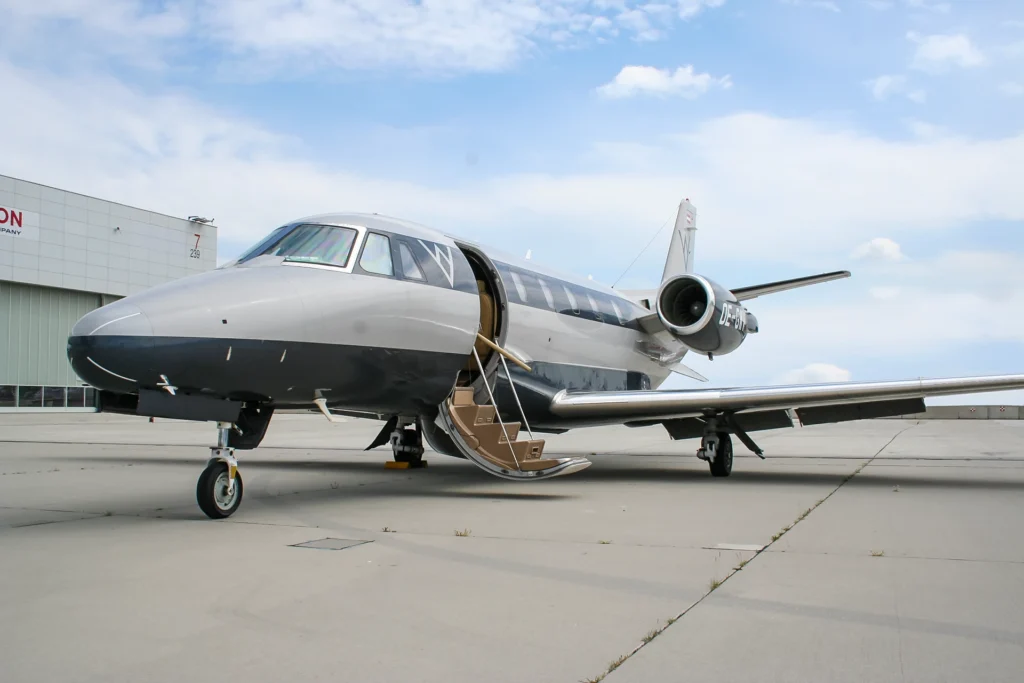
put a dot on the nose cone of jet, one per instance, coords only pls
(102, 343)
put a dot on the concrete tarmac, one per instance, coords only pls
(870, 551)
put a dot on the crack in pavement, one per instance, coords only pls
(716, 584)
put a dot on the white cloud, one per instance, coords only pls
(649, 80)
(816, 373)
(691, 8)
(762, 183)
(817, 4)
(884, 292)
(923, 129)
(1011, 89)
(884, 86)
(294, 37)
(879, 249)
(940, 7)
(938, 52)
(1011, 50)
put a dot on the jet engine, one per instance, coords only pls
(703, 315)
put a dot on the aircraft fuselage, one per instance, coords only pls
(376, 316)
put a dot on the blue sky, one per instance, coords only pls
(880, 136)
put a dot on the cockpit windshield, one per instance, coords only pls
(326, 244)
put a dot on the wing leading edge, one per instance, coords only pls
(617, 407)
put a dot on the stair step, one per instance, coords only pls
(528, 450)
(481, 432)
(475, 415)
(463, 397)
(534, 465)
(492, 435)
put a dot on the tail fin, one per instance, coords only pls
(680, 251)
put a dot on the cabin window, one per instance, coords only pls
(376, 256)
(410, 269)
(547, 293)
(324, 244)
(593, 307)
(573, 304)
(618, 313)
(520, 289)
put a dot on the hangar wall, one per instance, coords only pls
(63, 254)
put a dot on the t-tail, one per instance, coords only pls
(705, 316)
(679, 259)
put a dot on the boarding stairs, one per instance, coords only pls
(493, 444)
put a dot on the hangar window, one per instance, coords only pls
(376, 256)
(324, 244)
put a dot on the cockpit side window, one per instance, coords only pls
(376, 256)
(322, 244)
(410, 268)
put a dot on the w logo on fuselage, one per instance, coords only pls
(443, 259)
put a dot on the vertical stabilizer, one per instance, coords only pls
(680, 251)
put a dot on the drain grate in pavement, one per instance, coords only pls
(330, 544)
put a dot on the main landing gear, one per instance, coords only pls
(716, 448)
(219, 490)
(407, 443)
(716, 444)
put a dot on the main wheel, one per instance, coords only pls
(409, 447)
(721, 464)
(212, 491)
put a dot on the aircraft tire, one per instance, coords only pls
(211, 491)
(721, 466)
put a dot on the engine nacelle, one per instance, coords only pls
(703, 315)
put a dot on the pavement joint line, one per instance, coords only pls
(715, 584)
(927, 558)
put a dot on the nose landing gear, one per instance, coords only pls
(219, 490)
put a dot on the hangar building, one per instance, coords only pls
(64, 254)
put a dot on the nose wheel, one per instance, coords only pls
(218, 493)
(219, 489)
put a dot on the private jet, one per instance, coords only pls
(451, 342)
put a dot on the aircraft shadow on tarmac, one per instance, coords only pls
(685, 472)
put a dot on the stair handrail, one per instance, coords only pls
(504, 353)
(497, 413)
(522, 413)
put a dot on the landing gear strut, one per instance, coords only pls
(407, 442)
(716, 448)
(219, 490)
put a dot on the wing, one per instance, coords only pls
(767, 407)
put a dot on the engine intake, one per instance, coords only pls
(703, 315)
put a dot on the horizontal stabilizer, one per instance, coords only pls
(744, 293)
